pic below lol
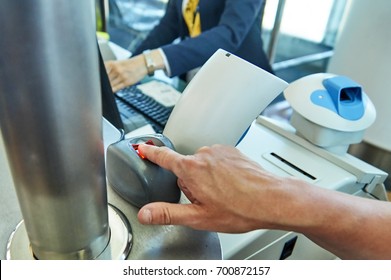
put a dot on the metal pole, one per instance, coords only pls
(271, 51)
(50, 119)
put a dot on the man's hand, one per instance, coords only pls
(223, 186)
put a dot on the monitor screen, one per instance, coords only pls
(109, 106)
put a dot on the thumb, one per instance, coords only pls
(162, 213)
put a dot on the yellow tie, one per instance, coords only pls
(192, 18)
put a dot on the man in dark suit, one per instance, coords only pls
(202, 26)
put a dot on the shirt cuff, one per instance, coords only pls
(166, 64)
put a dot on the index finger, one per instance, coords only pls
(163, 156)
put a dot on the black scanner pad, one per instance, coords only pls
(136, 179)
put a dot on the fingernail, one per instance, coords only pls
(147, 216)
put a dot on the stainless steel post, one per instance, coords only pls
(50, 117)
(271, 51)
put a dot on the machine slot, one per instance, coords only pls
(291, 165)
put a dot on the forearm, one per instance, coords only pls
(348, 226)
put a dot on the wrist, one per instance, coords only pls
(153, 61)
(304, 207)
(288, 198)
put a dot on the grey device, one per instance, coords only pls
(136, 179)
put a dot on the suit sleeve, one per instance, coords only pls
(235, 22)
(165, 32)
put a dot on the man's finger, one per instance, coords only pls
(163, 157)
(162, 213)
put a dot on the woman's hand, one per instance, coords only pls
(123, 73)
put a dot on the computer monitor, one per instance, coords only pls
(109, 107)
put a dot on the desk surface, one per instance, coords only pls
(149, 242)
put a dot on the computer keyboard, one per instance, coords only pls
(138, 109)
(131, 119)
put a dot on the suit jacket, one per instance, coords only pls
(233, 25)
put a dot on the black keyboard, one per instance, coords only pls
(138, 109)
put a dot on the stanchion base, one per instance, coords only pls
(120, 244)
